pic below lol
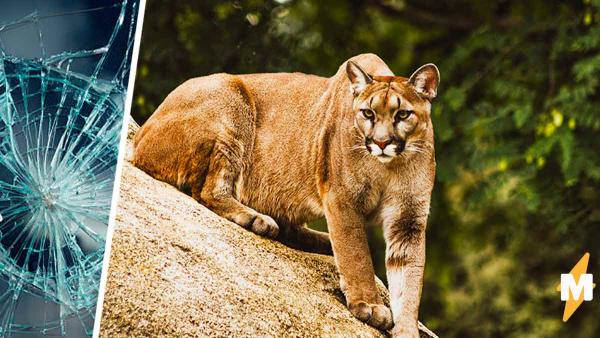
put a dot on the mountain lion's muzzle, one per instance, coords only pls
(385, 149)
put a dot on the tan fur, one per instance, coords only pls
(272, 152)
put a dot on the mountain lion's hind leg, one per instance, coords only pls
(234, 126)
(218, 194)
(303, 238)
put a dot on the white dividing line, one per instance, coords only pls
(122, 144)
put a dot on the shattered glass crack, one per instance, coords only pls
(61, 114)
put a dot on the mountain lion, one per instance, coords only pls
(272, 152)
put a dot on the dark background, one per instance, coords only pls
(516, 201)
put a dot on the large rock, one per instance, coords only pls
(178, 269)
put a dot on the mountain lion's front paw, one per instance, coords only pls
(404, 330)
(376, 315)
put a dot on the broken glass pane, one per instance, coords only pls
(63, 73)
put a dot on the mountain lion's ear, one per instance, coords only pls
(358, 77)
(426, 80)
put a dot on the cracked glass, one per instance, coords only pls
(63, 73)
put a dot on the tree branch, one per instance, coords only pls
(420, 16)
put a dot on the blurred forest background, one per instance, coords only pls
(517, 120)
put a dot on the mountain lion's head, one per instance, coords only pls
(392, 112)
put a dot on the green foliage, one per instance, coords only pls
(517, 119)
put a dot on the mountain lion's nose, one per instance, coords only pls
(382, 144)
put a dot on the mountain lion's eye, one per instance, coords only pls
(403, 114)
(368, 113)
